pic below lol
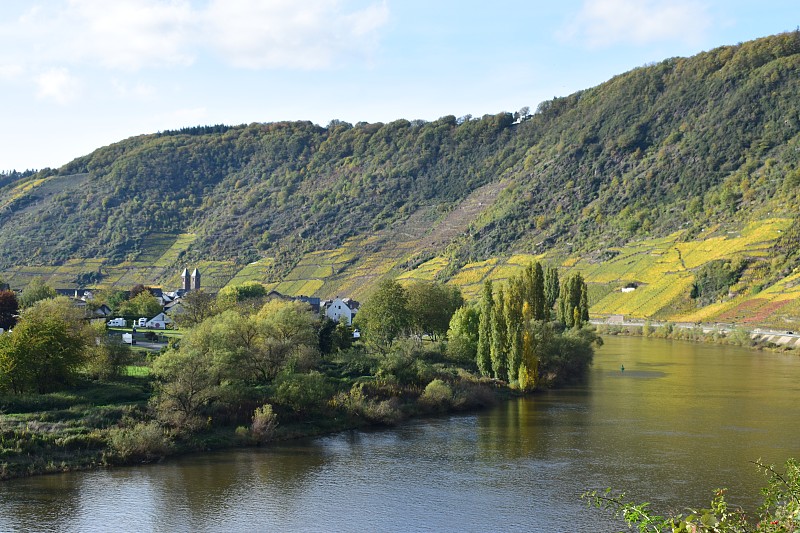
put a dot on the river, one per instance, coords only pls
(681, 420)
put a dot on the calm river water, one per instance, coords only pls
(681, 420)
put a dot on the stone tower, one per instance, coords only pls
(186, 285)
(195, 280)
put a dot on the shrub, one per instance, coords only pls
(778, 513)
(145, 441)
(357, 403)
(303, 393)
(437, 396)
(264, 423)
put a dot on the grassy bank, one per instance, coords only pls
(98, 424)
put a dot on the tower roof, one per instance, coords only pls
(195, 272)
(185, 272)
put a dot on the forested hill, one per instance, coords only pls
(682, 145)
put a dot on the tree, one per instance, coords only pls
(187, 382)
(515, 300)
(231, 295)
(9, 309)
(36, 290)
(551, 289)
(484, 345)
(136, 290)
(112, 298)
(384, 315)
(431, 306)
(574, 302)
(143, 304)
(107, 356)
(254, 348)
(196, 306)
(533, 279)
(45, 349)
(528, 371)
(499, 347)
(462, 335)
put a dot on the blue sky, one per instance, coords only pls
(79, 74)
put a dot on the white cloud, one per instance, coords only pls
(58, 85)
(123, 34)
(135, 34)
(608, 22)
(10, 72)
(130, 34)
(134, 91)
(288, 34)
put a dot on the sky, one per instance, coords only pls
(76, 75)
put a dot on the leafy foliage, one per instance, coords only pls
(45, 349)
(780, 511)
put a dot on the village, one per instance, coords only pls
(142, 330)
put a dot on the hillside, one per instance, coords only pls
(652, 180)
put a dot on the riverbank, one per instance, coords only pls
(757, 338)
(104, 424)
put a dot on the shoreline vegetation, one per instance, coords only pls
(249, 370)
(735, 336)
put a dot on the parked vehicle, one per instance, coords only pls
(141, 322)
(116, 323)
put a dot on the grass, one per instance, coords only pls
(41, 433)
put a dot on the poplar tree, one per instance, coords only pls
(484, 359)
(527, 374)
(538, 305)
(551, 289)
(574, 302)
(514, 324)
(499, 344)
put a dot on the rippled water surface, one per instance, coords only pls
(679, 421)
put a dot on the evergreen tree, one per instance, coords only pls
(484, 359)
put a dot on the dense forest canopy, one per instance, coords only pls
(664, 147)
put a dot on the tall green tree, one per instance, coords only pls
(514, 323)
(551, 289)
(574, 302)
(484, 345)
(384, 316)
(462, 336)
(499, 346)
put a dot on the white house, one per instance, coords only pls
(342, 307)
(159, 321)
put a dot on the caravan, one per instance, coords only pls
(116, 323)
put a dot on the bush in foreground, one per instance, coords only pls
(780, 511)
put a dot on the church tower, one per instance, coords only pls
(186, 285)
(195, 280)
